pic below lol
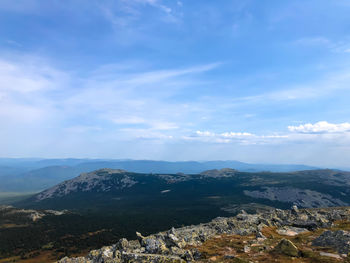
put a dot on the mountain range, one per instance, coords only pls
(111, 188)
(30, 175)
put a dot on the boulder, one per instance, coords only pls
(153, 244)
(287, 248)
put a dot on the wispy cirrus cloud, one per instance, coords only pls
(338, 46)
(154, 3)
(26, 87)
(124, 13)
(330, 84)
(129, 100)
(313, 41)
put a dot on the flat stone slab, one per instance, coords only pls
(331, 255)
(291, 231)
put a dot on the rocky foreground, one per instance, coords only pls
(307, 235)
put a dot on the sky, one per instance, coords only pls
(248, 80)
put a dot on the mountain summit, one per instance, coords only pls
(102, 180)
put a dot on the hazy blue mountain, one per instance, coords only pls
(12, 170)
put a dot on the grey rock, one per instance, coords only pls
(338, 240)
(295, 209)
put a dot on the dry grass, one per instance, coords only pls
(220, 248)
(12, 225)
(43, 257)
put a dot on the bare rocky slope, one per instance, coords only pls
(306, 235)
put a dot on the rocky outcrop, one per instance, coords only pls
(226, 172)
(338, 240)
(301, 197)
(12, 214)
(179, 245)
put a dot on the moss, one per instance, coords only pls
(48, 246)
(239, 260)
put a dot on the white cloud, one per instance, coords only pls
(101, 105)
(236, 134)
(82, 129)
(132, 105)
(27, 76)
(135, 98)
(154, 3)
(163, 125)
(146, 134)
(320, 41)
(129, 120)
(25, 87)
(318, 133)
(244, 138)
(161, 75)
(321, 127)
(124, 13)
(331, 84)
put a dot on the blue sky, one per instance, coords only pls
(254, 81)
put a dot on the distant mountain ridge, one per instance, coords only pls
(20, 175)
(314, 188)
(151, 165)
